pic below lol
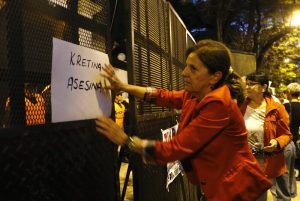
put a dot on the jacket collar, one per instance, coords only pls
(271, 105)
(221, 93)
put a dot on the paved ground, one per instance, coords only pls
(129, 192)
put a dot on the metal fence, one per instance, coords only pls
(69, 161)
(40, 160)
(157, 43)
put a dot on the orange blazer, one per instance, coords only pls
(212, 145)
(276, 127)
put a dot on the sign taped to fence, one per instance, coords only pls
(76, 85)
(174, 168)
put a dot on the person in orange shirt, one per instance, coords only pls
(119, 109)
(34, 106)
(211, 142)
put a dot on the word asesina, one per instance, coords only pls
(86, 85)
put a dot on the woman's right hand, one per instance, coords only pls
(111, 130)
(115, 82)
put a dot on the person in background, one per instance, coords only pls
(286, 183)
(293, 108)
(46, 94)
(126, 121)
(34, 106)
(119, 109)
(236, 87)
(283, 97)
(211, 142)
(268, 131)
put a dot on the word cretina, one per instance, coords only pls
(77, 84)
(77, 60)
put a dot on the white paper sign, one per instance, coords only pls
(174, 168)
(76, 84)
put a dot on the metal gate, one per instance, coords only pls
(40, 160)
(157, 40)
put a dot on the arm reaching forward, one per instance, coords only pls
(117, 84)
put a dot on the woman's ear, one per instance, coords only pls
(216, 77)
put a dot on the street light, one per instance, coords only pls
(295, 21)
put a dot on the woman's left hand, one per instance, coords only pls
(111, 130)
(273, 145)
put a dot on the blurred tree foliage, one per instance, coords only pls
(258, 26)
(282, 60)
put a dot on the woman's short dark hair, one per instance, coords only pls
(261, 78)
(215, 56)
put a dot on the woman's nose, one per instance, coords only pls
(184, 73)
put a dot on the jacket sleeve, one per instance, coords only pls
(165, 98)
(199, 133)
(283, 134)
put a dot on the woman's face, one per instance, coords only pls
(196, 77)
(255, 89)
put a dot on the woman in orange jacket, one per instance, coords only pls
(268, 128)
(212, 138)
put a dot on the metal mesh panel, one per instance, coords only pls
(139, 16)
(158, 78)
(67, 161)
(150, 19)
(52, 163)
(177, 80)
(180, 41)
(178, 38)
(30, 73)
(155, 175)
(4, 79)
(150, 125)
(180, 80)
(165, 71)
(189, 40)
(84, 24)
(151, 58)
(158, 25)
(156, 64)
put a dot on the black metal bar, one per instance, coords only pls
(16, 61)
(130, 42)
(126, 182)
(73, 5)
(67, 15)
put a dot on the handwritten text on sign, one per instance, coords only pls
(76, 85)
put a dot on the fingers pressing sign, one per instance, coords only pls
(110, 75)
